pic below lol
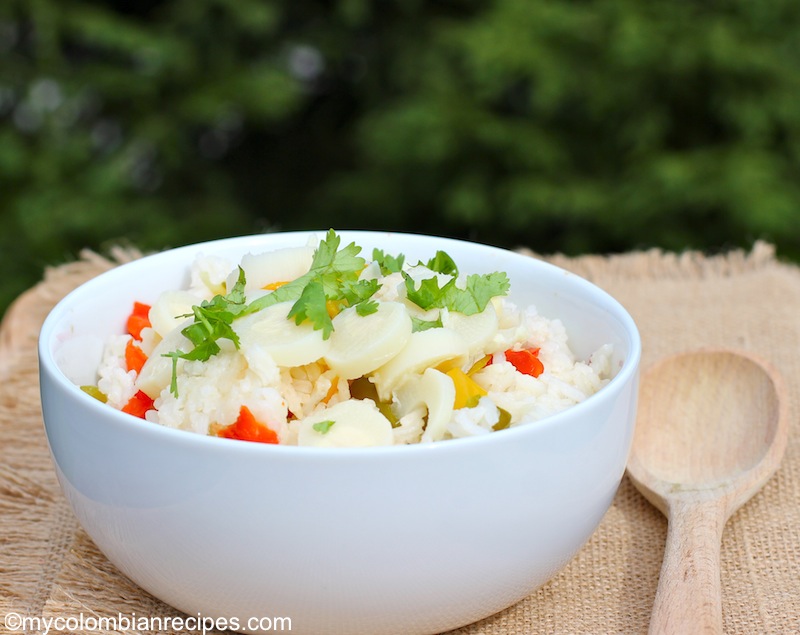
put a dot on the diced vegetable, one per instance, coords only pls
(138, 319)
(526, 361)
(478, 366)
(138, 405)
(246, 428)
(333, 308)
(504, 421)
(275, 285)
(134, 357)
(95, 392)
(363, 388)
(468, 391)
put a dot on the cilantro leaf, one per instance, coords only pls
(212, 322)
(388, 264)
(357, 291)
(418, 324)
(288, 292)
(213, 319)
(323, 427)
(443, 263)
(236, 295)
(329, 267)
(347, 260)
(173, 384)
(429, 295)
(480, 289)
(333, 277)
(367, 307)
(329, 259)
(326, 251)
(312, 306)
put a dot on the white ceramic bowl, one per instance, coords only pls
(393, 540)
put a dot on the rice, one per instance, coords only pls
(564, 382)
(214, 391)
(115, 381)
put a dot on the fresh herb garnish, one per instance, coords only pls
(367, 308)
(323, 427)
(480, 289)
(388, 264)
(358, 292)
(418, 324)
(212, 322)
(443, 263)
(479, 292)
(330, 285)
(336, 271)
(312, 306)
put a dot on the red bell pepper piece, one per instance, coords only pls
(134, 357)
(246, 428)
(138, 319)
(138, 405)
(526, 361)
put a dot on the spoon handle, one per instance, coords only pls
(689, 596)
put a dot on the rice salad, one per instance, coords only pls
(317, 345)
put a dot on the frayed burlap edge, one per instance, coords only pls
(656, 263)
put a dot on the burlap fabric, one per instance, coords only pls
(49, 567)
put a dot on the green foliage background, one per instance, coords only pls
(563, 125)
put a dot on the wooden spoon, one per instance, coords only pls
(712, 428)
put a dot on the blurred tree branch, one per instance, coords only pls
(573, 126)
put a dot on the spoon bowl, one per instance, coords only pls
(712, 428)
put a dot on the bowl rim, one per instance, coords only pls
(47, 363)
